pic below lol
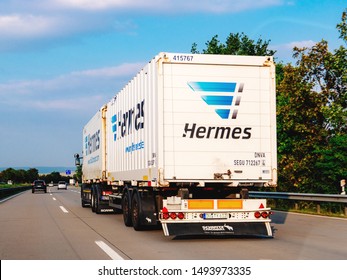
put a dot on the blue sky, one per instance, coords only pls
(61, 60)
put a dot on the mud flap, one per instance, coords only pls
(148, 215)
(104, 208)
(218, 229)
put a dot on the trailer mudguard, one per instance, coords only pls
(260, 229)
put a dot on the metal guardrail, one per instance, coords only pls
(301, 196)
(336, 198)
(6, 192)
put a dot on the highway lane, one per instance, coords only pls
(55, 226)
(41, 226)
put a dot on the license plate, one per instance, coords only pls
(105, 197)
(210, 216)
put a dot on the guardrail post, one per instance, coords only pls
(318, 208)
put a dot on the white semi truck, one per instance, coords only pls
(181, 144)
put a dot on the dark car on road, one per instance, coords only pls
(39, 185)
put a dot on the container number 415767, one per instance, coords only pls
(183, 57)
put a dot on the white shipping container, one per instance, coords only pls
(190, 117)
(93, 150)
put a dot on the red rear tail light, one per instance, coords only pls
(264, 214)
(106, 192)
(173, 215)
(180, 215)
(166, 216)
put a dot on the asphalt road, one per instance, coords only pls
(54, 226)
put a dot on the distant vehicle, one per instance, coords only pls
(39, 185)
(62, 185)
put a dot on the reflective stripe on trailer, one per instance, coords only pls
(215, 204)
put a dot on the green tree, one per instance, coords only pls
(342, 26)
(312, 118)
(32, 174)
(300, 130)
(327, 72)
(53, 177)
(8, 174)
(19, 176)
(78, 174)
(236, 44)
(332, 164)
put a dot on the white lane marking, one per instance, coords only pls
(63, 209)
(108, 250)
(75, 191)
(54, 198)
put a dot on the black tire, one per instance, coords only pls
(92, 202)
(126, 209)
(97, 204)
(84, 205)
(136, 212)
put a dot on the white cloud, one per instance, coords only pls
(167, 6)
(104, 4)
(67, 104)
(22, 22)
(284, 52)
(24, 31)
(79, 90)
(121, 70)
(21, 31)
(16, 25)
(300, 44)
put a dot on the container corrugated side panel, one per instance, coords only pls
(132, 129)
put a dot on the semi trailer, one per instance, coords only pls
(182, 144)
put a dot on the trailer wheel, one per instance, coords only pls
(84, 204)
(92, 202)
(136, 212)
(97, 204)
(126, 209)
